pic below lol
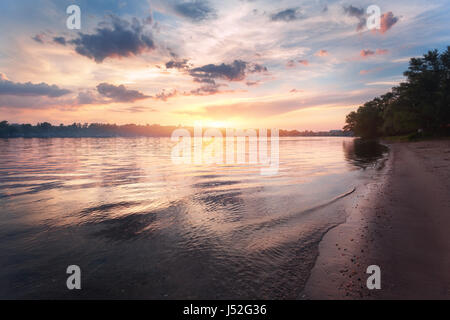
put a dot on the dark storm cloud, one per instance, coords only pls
(60, 40)
(287, 15)
(29, 89)
(119, 38)
(195, 10)
(120, 93)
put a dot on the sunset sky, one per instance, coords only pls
(236, 63)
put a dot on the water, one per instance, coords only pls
(142, 227)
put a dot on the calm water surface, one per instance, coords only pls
(142, 227)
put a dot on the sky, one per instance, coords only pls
(238, 63)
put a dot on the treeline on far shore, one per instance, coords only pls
(100, 130)
(420, 106)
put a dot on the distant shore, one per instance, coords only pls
(106, 130)
(400, 222)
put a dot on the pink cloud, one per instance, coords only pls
(382, 51)
(364, 72)
(368, 52)
(293, 64)
(387, 21)
(322, 53)
(303, 62)
(290, 64)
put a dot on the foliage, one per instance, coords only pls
(422, 103)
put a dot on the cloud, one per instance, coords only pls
(354, 11)
(261, 109)
(255, 67)
(38, 38)
(116, 39)
(164, 96)
(357, 13)
(322, 53)
(368, 52)
(387, 21)
(60, 40)
(287, 15)
(195, 10)
(89, 97)
(293, 63)
(180, 65)
(382, 51)
(384, 83)
(252, 83)
(208, 90)
(290, 64)
(235, 71)
(364, 72)
(120, 93)
(232, 72)
(29, 89)
(246, 109)
(134, 109)
(303, 62)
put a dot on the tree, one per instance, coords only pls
(422, 102)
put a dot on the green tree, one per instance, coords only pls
(422, 102)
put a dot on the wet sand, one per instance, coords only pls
(400, 222)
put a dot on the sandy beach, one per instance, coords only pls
(400, 222)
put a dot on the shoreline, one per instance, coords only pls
(398, 221)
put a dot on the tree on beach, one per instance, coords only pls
(421, 102)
